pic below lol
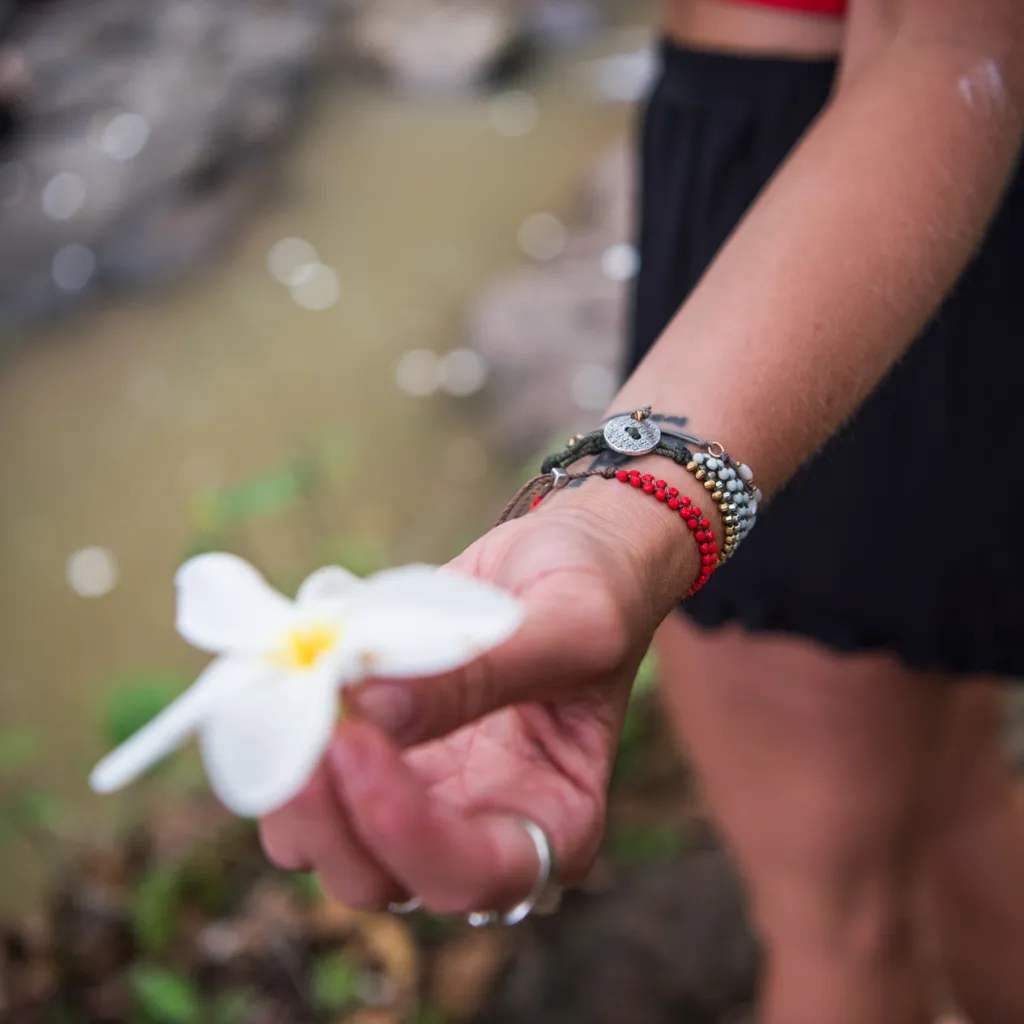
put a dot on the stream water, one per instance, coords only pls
(223, 412)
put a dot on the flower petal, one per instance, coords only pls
(225, 606)
(260, 752)
(329, 585)
(169, 729)
(418, 621)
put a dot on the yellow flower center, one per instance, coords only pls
(303, 648)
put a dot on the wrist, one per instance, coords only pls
(659, 555)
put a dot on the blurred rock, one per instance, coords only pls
(272, 917)
(563, 21)
(109, 1000)
(140, 136)
(93, 931)
(28, 974)
(177, 829)
(439, 45)
(670, 945)
(552, 335)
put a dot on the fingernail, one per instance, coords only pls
(388, 706)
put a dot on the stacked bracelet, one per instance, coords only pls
(729, 484)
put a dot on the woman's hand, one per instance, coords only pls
(412, 800)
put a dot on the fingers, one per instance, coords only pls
(311, 833)
(571, 638)
(453, 863)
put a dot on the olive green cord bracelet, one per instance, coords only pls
(595, 443)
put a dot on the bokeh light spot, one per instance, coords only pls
(620, 262)
(73, 267)
(92, 572)
(63, 195)
(290, 260)
(417, 372)
(542, 236)
(461, 372)
(316, 287)
(124, 136)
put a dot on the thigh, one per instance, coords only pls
(817, 767)
(973, 774)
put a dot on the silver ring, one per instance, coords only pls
(410, 906)
(544, 895)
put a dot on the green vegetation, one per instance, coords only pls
(26, 810)
(335, 983)
(164, 997)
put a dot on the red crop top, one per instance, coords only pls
(835, 8)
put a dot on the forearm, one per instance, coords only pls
(842, 259)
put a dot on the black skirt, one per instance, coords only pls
(935, 571)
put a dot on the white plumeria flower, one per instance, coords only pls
(265, 708)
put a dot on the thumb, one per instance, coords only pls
(571, 639)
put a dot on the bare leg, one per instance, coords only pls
(976, 862)
(818, 770)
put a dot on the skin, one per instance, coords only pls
(844, 786)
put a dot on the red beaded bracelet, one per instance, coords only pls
(537, 489)
(697, 523)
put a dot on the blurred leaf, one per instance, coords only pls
(38, 809)
(206, 882)
(230, 1007)
(645, 844)
(337, 454)
(335, 983)
(165, 997)
(59, 1013)
(17, 746)
(646, 674)
(362, 555)
(306, 885)
(154, 906)
(633, 741)
(202, 544)
(265, 495)
(429, 1015)
(137, 701)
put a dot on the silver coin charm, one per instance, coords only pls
(632, 436)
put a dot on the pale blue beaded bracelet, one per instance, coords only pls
(732, 488)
